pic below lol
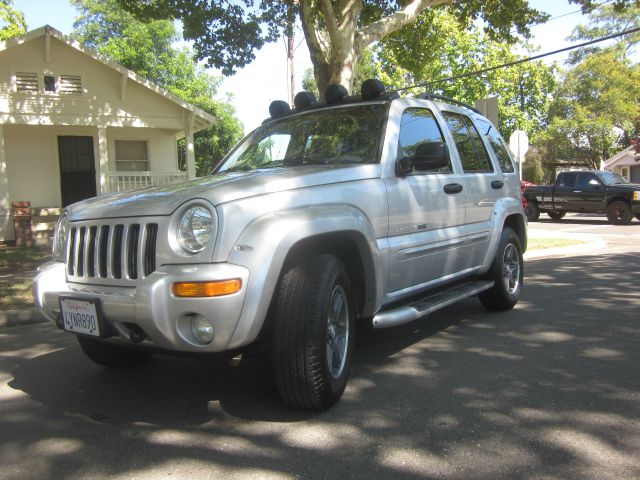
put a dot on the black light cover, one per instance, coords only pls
(304, 100)
(371, 89)
(279, 108)
(334, 93)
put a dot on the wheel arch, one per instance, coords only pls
(517, 224)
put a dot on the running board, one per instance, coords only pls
(420, 308)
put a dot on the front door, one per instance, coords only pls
(77, 169)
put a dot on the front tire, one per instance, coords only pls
(313, 333)
(532, 211)
(507, 271)
(619, 213)
(109, 355)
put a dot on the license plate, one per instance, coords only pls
(80, 316)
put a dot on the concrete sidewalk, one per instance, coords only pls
(591, 243)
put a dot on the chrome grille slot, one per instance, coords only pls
(116, 255)
(104, 252)
(150, 248)
(132, 251)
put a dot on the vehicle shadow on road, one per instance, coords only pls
(545, 388)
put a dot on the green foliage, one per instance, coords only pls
(604, 21)
(595, 108)
(227, 34)
(12, 22)
(147, 49)
(436, 47)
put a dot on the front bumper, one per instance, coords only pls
(151, 306)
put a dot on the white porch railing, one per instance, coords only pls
(126, 181)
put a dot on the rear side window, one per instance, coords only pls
(567, 180)
(470, 147)
(418, 126)
(499, 146)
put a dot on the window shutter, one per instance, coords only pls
(71, 84)
(27, 82)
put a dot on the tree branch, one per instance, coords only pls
(377, 30)
(329, 19)
(349, 12)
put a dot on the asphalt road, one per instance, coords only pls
(550, 390)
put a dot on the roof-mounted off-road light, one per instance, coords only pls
(279, 108)
(371, 89)
(304, 100)
(334, 93)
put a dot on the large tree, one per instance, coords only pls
(594, 110)
(147, 49)
(435, 48)
(336, 31)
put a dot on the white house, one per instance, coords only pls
(74, 125)
(625, 163)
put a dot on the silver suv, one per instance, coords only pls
(373, 208)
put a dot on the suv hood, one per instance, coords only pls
(216, 189)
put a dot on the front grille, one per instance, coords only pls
(117, 251)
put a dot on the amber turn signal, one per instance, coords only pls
(206, 289)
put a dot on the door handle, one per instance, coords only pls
(452, 188)
(496, 184)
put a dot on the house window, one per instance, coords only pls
(132, 156)
(624, 171)
(27, 82)
(49, 83)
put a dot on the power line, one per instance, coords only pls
(522, 60)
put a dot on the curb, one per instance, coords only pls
(28, 316)
(591, 244)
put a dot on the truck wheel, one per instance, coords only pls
(109, 355)
(619, 213)
(507, 273)
(532, 211)
(313, 333)
(556, 214)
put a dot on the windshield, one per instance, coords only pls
(610, 178)
(348, 135)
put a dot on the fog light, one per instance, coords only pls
(202, 329)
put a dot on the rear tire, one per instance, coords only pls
(507, 271)
(313, 332)
(109, 355)
(619, 213)
(532, 211)
(556, 214)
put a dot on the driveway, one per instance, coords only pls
(549, 390)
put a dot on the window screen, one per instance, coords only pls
(472, 153)
(132, 156)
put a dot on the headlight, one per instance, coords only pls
(636, 196)
(195, 229)
(60, 236)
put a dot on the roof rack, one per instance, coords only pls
(436, 96)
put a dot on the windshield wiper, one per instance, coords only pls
(273, 163)
(238, 168)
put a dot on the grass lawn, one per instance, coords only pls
(17, 267)
(542, 243)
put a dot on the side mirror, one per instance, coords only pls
(428, 156)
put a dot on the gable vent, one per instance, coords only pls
(71, 84)
(26, 82)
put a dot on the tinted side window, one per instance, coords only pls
(585, 179)
(418, 126)
(567, 180)
(472, 153)
(499, 146)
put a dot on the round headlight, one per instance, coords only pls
(195, 229)
(60, 236)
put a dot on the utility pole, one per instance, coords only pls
(291, 23)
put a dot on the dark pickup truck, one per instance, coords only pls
(585, 192)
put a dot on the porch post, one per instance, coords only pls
(102, 180)
(191, 154)
(6, 232)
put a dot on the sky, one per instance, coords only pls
(254, 87)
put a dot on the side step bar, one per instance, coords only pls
(420, 308)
